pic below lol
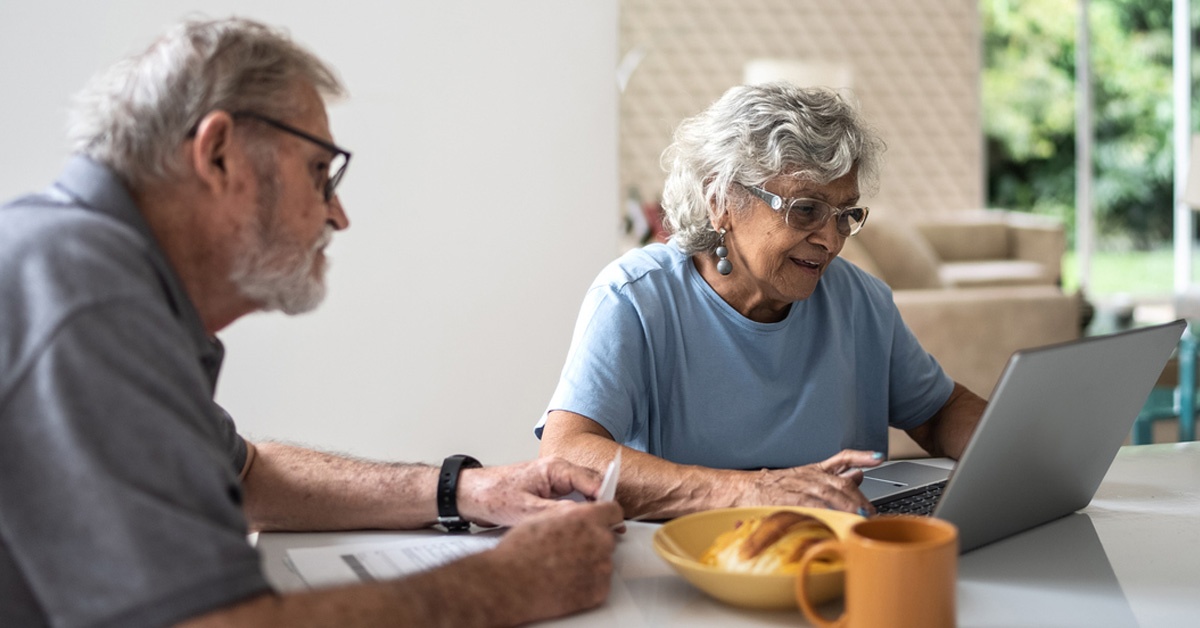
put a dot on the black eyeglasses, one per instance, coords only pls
(337, 165)
(809, 214)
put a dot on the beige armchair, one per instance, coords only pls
(974, 287)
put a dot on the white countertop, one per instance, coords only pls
(1131, 558)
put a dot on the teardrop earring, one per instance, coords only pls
(724, 266)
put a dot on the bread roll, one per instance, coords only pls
(770, 545)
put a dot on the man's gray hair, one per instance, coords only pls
(134, 116)
(754, 133)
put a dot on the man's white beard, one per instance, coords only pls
(280, 275)
(273, 271)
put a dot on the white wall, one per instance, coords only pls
(480, 195)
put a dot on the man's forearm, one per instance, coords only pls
(466, 593)
(292, 488)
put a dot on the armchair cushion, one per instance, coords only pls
(995, 248)
(996, 272)
(902, 257)
(957, 239)
(972, 332)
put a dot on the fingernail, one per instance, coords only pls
(877, 455)
(862, 511)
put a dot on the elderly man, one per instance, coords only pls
(205, 188)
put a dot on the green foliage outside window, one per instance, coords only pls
(1030, 106)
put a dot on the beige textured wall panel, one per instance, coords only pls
(915, 66)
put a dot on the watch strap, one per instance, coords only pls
(447, 491)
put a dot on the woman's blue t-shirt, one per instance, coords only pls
(668, 367)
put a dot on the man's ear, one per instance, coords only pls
(210, 150)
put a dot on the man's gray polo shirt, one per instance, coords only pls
(119, 498)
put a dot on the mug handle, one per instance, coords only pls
(831, 547)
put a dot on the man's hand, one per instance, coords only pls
(558, 562)
(832, 483)
(510, 494)
(555, 563)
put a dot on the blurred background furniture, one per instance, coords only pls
(973, 286)
(1175, 391)
(963, 249)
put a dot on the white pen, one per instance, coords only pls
(608, 487)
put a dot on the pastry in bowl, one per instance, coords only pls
(683, 541)
(770, 544)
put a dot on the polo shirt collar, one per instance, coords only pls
(97, 188)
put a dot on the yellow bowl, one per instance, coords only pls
(682, 541)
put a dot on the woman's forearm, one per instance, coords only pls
(650, 487)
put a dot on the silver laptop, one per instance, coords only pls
(1049, 434)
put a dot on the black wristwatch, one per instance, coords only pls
(447, 492)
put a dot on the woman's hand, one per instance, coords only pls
(831, 483)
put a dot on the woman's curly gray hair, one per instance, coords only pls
(754, 133)
(134, 116)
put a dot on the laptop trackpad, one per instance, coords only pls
(899, 476)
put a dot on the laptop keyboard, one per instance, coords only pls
(920, 503)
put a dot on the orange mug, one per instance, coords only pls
(900, 571)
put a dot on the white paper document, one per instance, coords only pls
(347, 564)
(398, 557)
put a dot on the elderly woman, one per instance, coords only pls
(743, 363)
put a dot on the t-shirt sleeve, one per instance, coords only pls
(606, 371)
(121, 501)
(919, 387)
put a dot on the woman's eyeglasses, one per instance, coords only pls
(810, 214)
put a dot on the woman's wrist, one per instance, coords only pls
(706, 488)
(741, 485)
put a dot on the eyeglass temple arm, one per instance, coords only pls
(774, 200)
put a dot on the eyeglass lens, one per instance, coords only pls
(806, 214)
(337, 169)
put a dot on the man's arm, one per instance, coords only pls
(950, 428)
(292, 488)
(556, 563)
(654, 488)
